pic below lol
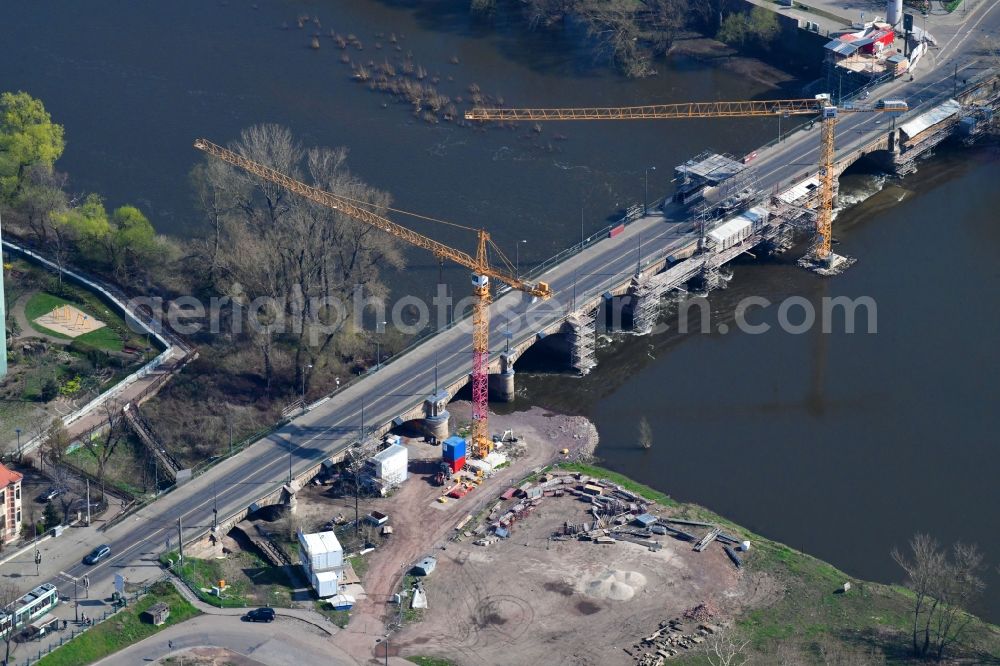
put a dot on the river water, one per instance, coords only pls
(840, 445)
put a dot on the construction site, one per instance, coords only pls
(564, 557)
(401, 512)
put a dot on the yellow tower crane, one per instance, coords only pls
(820, 104)
(482, 272)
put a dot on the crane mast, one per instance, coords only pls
(820, 104)
(482, 272)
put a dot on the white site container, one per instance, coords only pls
(390, 465)
(758, 216)
(320, 551)
(731, 232)
(326, 583)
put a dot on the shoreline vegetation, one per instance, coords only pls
(807, 617)
(249, 374)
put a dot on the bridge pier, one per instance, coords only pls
(614, 308)
(582, 329)
(436, 416)
(646, 295)
(501, 384)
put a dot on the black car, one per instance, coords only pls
(97, 554)
(50, 495)
(260, 615)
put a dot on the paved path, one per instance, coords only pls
(284, 642)
(232, 484)
(27, 330)
(298, 637)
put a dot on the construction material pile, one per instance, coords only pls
(676, 636)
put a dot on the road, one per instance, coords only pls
(234, 483)
(285, 642)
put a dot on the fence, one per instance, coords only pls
(118, 300)
(130, 598)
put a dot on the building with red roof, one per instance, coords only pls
(10, 496)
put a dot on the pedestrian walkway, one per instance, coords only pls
(304, 614)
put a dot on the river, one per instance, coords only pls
(840, 445)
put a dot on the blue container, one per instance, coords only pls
(453, 448)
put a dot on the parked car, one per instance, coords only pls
(50, 494)
(80, 504)
(260, 615)
(97, 554)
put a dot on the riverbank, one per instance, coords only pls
(785, 604)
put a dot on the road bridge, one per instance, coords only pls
(636, 261)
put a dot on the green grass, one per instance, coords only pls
(408, 614)
(108, 338)
(201, 575)
(338, 617)
(360, 565)
(430, 661)
(622, 480)
(123, 469)
(952, 5)
(810, 612)
(121, 630)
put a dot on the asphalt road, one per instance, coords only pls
(235, 483)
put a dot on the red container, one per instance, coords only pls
(616, 230)
(456, 465)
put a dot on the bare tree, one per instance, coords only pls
(615, 26)
(103, 445)
(53, 447)
(840, 653)
(41, 194)
(285, 259)
(727, 648)
(547, 13)
(943, 588)
(9, 595)
(645, 433)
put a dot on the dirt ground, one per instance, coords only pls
(207, 656)
(70, 321)
(705, 49)
(422, 525)
(530, 599)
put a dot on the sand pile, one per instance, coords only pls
(615, 585)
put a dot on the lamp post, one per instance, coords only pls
(303, 373)
(18, 431)
(645, 196)
(517, 258)
(378, 347)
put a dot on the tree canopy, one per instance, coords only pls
(28, 137)
(759, 27)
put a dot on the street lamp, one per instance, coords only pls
(378, 347)
(645, 196)
(517, 258)
(18, 431)
(303, 373)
